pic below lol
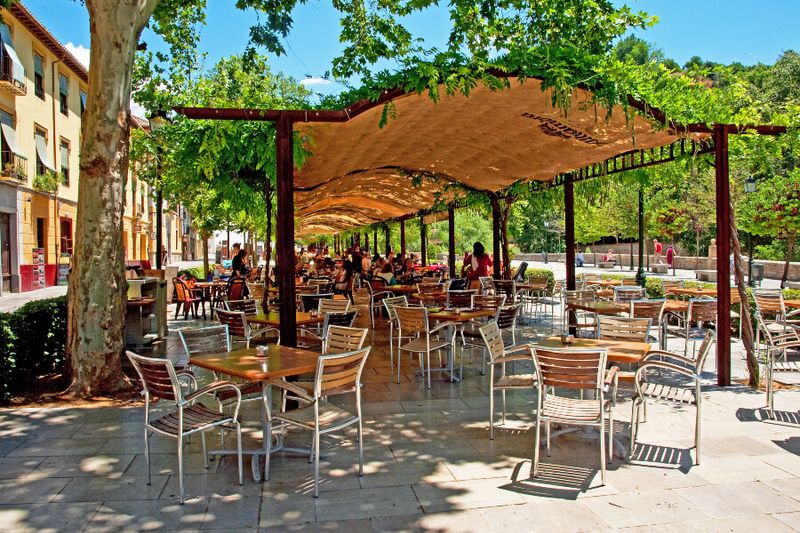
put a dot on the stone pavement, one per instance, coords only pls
(430, 466)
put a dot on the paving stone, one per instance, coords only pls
(47, 516)
(649, 508)
(149, 515)
(92, 489)
(552, 515)
(32, 490)
(472, 494)
(17, 467)
(111, 466)
(740, 499)
(58, 447)
(349, 505)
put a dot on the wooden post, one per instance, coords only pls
(423, 242)
(723, 255)
(374, 241)
(366, 241)
(386, 238)
(284, 242)
(402, 238)
(451, 240)
(497, 274)
(569, 229)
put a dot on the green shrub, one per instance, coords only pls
(196, 272)
(542, 273)
(32, 344)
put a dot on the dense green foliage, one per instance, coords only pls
(32, 344)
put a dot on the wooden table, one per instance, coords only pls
(273, 318)
(282, 362)
(430, 296)
(694, 291)
(624, 352)
(400, 289)
(599, 307)
(531, 286)
(604, 282)
(792, 303)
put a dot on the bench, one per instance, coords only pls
(706, 275)
(606, 264)
(659, 268)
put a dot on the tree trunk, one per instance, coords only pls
(790, 242)
(697, 250)
(268, 240)
(205, 255)
(97, 284)
(748, 337)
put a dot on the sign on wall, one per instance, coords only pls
(38, 269)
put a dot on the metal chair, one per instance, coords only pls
(319, 336)
(552, 299)
(498, 357)
(311, 301)
(487, 301)
(769, 302)
(414, 321)
(777, 343)
(237, 288)
(626, 293)
(375, 297)
(331, 305)
(336, 374)
(187, 299)
(389, 304)
(238, 326)
(583, 320)
(668, 286)
(257, 291)
(701, 311)
(623, 328)
(652, 309)
(160, 381)
(661, 385)
(507, 287)
(582, 371)
(487, 284)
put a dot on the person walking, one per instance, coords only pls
(670, 256)
(657, 248)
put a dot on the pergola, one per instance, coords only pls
(359, 173)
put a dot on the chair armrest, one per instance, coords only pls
(666, 366)
(309, 332)
(261, 331)
(652, 355)
(509, 358)
(519, 349)
(187, 374)
(390, 294)
(441, 325)
(298, 391)
(612, 376)
(215, 386)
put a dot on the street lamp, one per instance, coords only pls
(750, 188)
(546, 239)
(157, 122)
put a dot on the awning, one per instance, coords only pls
(41, 151)
(18, 72)
(64, 156)
(11, 140)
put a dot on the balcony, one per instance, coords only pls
(8, 83)
(14, 168)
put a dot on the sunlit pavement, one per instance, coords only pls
(429, 466)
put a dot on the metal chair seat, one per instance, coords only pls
(514, 381)
(569, 410)
(672, 393)
(420, 345)
(331, 417)
(195, 418)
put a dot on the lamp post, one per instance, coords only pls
(546, 239)
(640, 275)
(750, 188)
(157, 122)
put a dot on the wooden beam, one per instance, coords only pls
(723, 256)
(284, 241)
(403, 238)
(423, 240)
(496, 253)
(451, 241)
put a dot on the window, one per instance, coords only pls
(65, 162)
(38, 75)
(63, 91)
(66, 236)
(41, 233)
(11, 68)
(43, 164)
(83, 102)
(13, 159)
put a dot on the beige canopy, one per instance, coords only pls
(359, 173)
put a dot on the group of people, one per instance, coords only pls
(609, 257)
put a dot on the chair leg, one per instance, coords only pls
(177, 309)
(205, 450)
(147, 452)
(360, 448)
(634, 409)
(491, 404)
(697, 434)
(503, 392)
(602, 451)
(316, 463)
(610, 436)
(547, 438)
(180, 466)
(239, 452)
(429, 369)
(268, 446)
(536, 446)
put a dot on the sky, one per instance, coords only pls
(725, 31)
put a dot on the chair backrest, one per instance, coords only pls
(487, 284)
(457, 284)
(591, 277)
(340, 373)
(390, 302)
(538, 280)
(412, 319)
(183, 292)
(256, 290)
(493, 337)
(318, 281)
(736, 298)
(629, 282)
(329, 305)
(506, 316)
(157, 376)
(769, 301)
(579, 296)
(429, 288)
(570, 368)
(507, 287)
(487, 301)
(652, 309)
(236, 322)
(623, 329)
(311, 301)
(236, 287)
(211, 339)
(247, 306)
(520, 276)
(460, 298)
(340, 339)
(558, 287)
(307, 289)
(702, 310)
(628, 293)
(703, 351)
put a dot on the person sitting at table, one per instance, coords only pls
(387, 275)
(344, 280)
(609, 257)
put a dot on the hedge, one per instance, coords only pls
(32, 344)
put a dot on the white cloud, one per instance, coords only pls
(138, 110)
(315, 81)
(80, 52)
